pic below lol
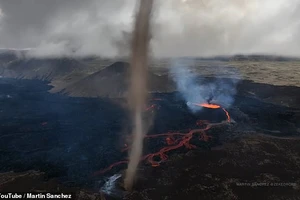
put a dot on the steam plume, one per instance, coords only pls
(196, 90)
(138, 86)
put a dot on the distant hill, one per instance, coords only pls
(44, 69)
(262, 58)
(95, 76)
(8, 55)
(112, 81)
(250, 58)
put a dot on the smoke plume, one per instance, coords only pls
(180, 28)
(138, 86)
(195, 89)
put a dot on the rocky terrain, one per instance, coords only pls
(255, 167)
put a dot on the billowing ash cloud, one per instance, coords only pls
(181, 27)
(66, 28)
(196, 90)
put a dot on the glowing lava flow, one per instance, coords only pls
(214, 106)
(207, 105)
(227, 114)
(175, 140)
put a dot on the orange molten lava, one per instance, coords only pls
(174, 140)
(207, 105)
(214, 106)
(227, 114)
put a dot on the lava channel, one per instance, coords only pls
(174, 140)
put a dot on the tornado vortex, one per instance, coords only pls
(138, 86)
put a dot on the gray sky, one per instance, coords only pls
(180, 27)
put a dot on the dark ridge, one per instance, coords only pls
(252, 57)
(112, 81)
(44, 69)
(262, 58)
(7, 57)
(115, 68)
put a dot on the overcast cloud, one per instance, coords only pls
(180, 27)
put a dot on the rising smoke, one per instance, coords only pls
(194, 89)
(138, 86)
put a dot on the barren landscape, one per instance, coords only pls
(150, 99)
(62, 129)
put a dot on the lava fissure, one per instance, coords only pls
(207, 105)
(213, 106)
(183, 139)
